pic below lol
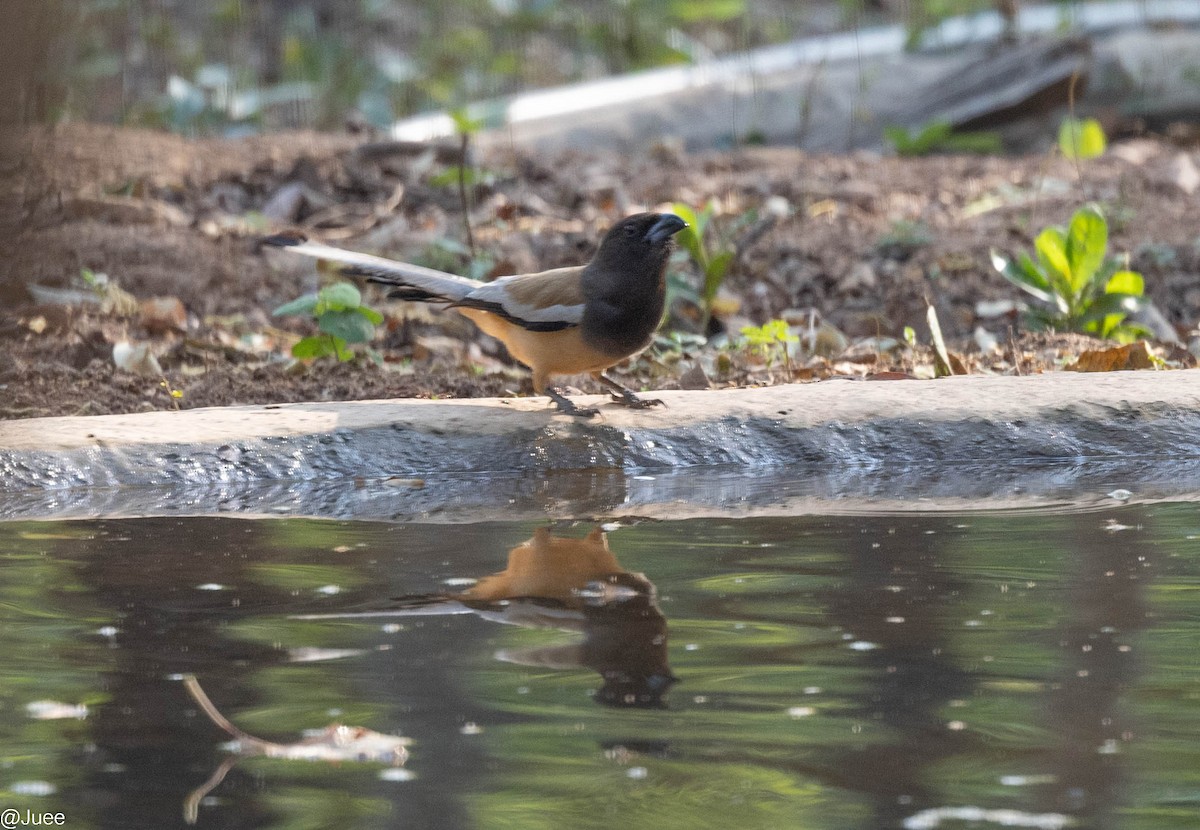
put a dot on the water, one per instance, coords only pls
(847, 672)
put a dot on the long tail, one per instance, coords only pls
(410, 282)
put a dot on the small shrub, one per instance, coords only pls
(341, 317)
(770, 341)
(940, 137)
(1081, 289)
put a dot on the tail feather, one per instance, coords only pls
(411, 282)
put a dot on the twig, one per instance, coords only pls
(462, 192)
(191, 804)
(207, 707)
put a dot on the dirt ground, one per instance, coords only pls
(846, 248)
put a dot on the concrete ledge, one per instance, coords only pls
(945, 441)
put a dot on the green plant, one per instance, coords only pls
(341, 317)
(714, 266)
(1081, 138)
(1083, 290)
(940, 137)
(770, 341)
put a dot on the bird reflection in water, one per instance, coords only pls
(572, 585)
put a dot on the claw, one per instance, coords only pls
(566, 407)
(626, 396)
(634, 402)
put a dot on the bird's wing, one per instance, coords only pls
(545, 301)
(413, 282)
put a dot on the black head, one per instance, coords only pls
(643, 238)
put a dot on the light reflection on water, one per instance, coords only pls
(843, 672)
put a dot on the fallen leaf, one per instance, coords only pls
(1119, 358)
(136, 358)
(162, 314)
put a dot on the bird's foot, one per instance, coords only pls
(625, 396)
(566, 407)
(629, 399)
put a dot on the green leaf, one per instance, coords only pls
(933, 134)
(341, 296)
(755, 335)
(300, 305)
(371, 314)
(1081, 139)
(312, 347)
(350, 326)
(464, 123)
(1087, 242)
(718, 267)
(780, 331)
(343, 353)
(685, 212)
(691, 238)
(1126, 282)
(1051, 248)
(707, 11)
(899, 138)
(1028, 279)
(1109, 304)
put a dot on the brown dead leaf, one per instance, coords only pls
(162, 314)
(1119, 358)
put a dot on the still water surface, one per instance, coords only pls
(1029, 670)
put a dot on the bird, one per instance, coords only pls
(569, 584)
(564, 321)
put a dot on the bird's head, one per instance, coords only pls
(641, 239)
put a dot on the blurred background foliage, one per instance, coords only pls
(230, 66)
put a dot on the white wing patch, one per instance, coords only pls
(496, 293)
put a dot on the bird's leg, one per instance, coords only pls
(624, 395)
(566, 407)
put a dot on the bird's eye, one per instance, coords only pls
(630, 230)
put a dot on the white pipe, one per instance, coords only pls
(865, 43)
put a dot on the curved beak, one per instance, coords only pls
(668, 225)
